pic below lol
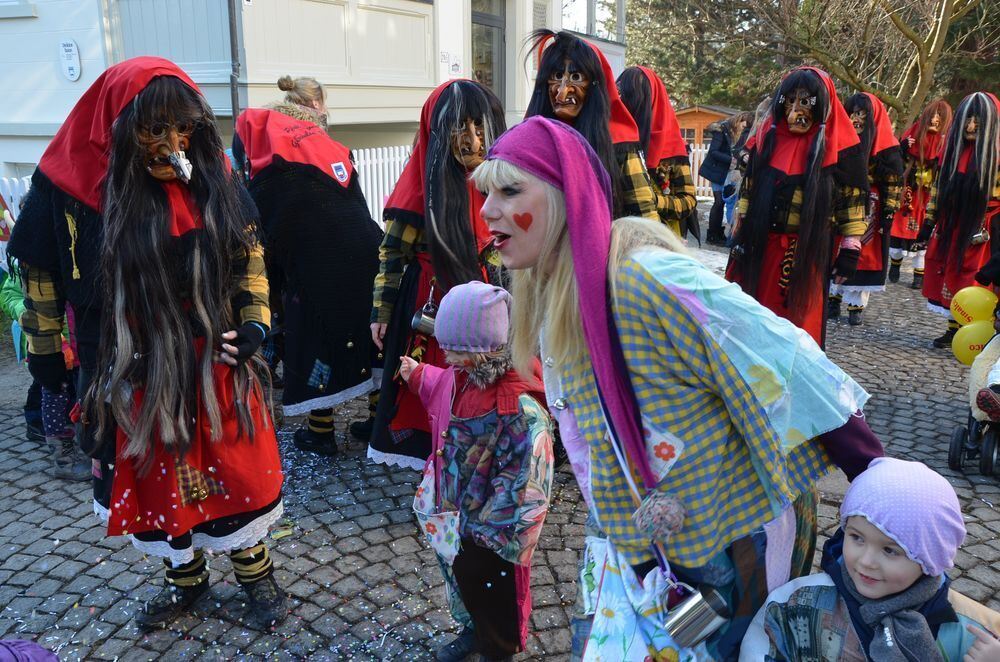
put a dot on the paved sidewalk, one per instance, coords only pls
(362, 582)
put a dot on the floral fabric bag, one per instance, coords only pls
(441, 528)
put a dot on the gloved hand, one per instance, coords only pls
(49, 370)
(240, 344)
(846, 264)
(990, 273)
(925, 233)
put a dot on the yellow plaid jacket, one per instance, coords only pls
(675, 192)
(849, 204)
(731, 464)
(45, 304)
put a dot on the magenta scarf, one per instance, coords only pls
(558, 155)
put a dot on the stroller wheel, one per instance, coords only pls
(956, 449)
(988, 456)
(976, 430)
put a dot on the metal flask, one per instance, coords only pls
(697, 618)
(423, 319)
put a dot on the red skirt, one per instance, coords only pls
(215, 479)
(907, 220)
(772, 286)
(943, 276)
(871, 254)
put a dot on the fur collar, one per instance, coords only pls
(489, 371)
(298, 112)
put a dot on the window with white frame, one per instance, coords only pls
(604, 19)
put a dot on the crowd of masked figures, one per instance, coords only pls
(500, 325)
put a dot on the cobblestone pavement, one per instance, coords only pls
(362, 583)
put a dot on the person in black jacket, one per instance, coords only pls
(715, 168)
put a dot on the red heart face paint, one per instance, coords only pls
(524, 220)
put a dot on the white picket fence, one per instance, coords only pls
(13, 190)
(379, 169)
(702, 187)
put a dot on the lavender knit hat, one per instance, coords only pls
(912, 504)
(473, 317)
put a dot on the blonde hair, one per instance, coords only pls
(303, 90)
(546, 294)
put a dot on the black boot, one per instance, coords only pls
(854, 316)
(267, 602)
(945, 340)
(362, 429)
(35, 431)
(894, 271)
(715, 238)
(168, 604)
(458, 648)
(833, 307)
(918, 281)
(322, 443)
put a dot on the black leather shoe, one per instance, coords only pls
(35, 431)
(362, 429)
(458, 648)
(267, 602)
(168, 604)
(894, 272)
(315, 442)
(945, 340)
(854, 317)
(918, 282)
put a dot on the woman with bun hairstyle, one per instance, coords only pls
(317, 232)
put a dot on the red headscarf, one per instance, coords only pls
(622, 127)
(76, 160)
(268, 135)
(665, 141)
(933, 143)
(790, 150)
(884, 137)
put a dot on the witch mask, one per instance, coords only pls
(798, 106)
(568, 92)
(468, 144)
(935, 124)
(858, 119)
(971, 128)
(165, 143)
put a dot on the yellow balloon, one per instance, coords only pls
(973, 304)
(970, 340)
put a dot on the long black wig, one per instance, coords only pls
(636, 94)
(164, 292)
(812, 253)
(593, 122)
(860, 101)
(450, 238)
(888, 163)
(962, 197)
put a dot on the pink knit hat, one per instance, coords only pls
(912, 504)
(473, 317)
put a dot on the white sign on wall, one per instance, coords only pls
(69, 58)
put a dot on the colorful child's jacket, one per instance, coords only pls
(492, 459)
(810, 619)
(489, 476)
